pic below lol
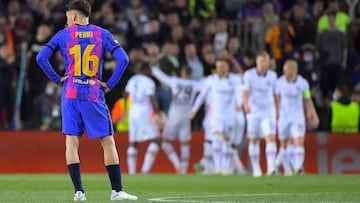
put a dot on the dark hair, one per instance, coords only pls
(83, 6)
(187, 70)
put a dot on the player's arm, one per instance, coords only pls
(43, 60)
(161, 76)
(122, 61)
(199, 100)
(238, 94)
(277, 105)
(245, 93)
(310, 109)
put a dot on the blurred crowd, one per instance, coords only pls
(174, 33)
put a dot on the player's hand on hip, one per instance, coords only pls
(104, 85)
(238, 108)
(62, 80)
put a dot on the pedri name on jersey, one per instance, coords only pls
(87, 34)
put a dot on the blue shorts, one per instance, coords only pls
(78, 115)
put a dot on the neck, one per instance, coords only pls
(82, 21)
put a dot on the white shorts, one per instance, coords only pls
(291, 129)
(142, 128)
(225, 127)
(177, 127)
(260, 127)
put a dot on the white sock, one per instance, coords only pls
(299, 157)
(170, 152)
(227, 166)
(216, 149)
(270, 155)
(131, 159)
(150, 156)
(254, 154)
(185, 156)
(207, 159)
(290, 151)
(280, 156)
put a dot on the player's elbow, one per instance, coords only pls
(121, 56)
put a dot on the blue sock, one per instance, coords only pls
(115, 177)
(74, 171)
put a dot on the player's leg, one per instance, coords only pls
(132, 149)
(254, 145)
(236, 142)
(73, 127)
(206, 162)
(282, 158)
(298, 131)
(216, 144)
(98, 124)
(169, 135)
(268, 131)
(150, 155)
(184, 138)
(227, 163)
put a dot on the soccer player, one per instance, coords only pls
(142, 117)
(178, 124)
(293, 98)
(259, 106)
(221, 87)
(83, 47)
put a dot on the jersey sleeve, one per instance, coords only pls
(245, 81)
(306, 92)
(162, 77)
(54, 43)
(150, 90)
(110, 43)
(202, 95)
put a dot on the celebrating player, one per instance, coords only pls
(178, 124)
(142, 117)
(292, 96)
(83, 47)
(259, 105)
(221, 87)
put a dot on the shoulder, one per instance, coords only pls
(272, 74)
(303, 81)
(250, 71)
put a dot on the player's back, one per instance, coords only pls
(140, 88)
(183, 93)
(83, 49)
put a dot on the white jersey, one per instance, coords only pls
(261, 90)
(291, 97)
(183, 91)
(222, 92)
(140, 88)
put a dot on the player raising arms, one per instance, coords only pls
(83, 47)
(259, 105)
(221, 87)
(142, 117)
(178, 124)
(292, 96)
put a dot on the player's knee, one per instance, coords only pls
(154, 148)
(131, 151)
(166, 146)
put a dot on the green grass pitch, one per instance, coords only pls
(185, 188)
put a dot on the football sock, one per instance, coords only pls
(226, 160)
(280, 156)
(185, 156)
(170, 152)
(216, 149)
(150, 156)
(270, 155)
(299, 157)
(115, 177)
(254, 153)
(207, 159)
(74, 171)
(290, 150)
(131, 159)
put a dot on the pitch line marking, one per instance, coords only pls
(184, 198)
